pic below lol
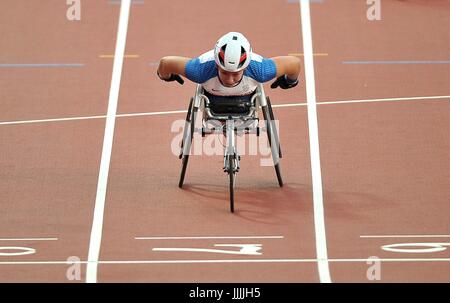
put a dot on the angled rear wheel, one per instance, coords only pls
(186, 142)
(272, 136)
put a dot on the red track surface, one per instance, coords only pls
(385, 165)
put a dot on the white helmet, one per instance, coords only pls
(233, 52)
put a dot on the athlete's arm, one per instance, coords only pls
(172, 65)
(287, 65)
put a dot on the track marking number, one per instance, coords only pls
(16, 251)
(416, 247)
(245, 249)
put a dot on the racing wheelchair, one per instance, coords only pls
(231, 116)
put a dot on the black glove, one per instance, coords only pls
(284, 82)
(173, 77)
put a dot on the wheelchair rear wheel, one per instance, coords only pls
(188, 135)
(272, 117)
(186, 126)
(273, 139)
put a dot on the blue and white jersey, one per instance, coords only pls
(203, 70)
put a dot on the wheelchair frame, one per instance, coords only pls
(235, 124)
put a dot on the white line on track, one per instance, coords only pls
(97, 224)
(319, 216)
(52, 120)
(29, 239)
(172, 112)
(366, 101)
(405, 236)
(125, 262)
(132, 2)
(195, 238)
(40, 65)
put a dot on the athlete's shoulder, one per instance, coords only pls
(257, 58)
(206, 57)
(202, 68)
(261, 69)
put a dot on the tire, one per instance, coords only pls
(186, 125)
(231, 175)
(232, 178)
(278, 172)
(190, 121)
(268, 117)
(184, 162)
(272, 117)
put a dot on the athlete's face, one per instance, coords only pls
(230, 79)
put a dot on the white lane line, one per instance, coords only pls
(366, 101)
(29, 239)
(95, 117)
(38, 65)
(132, 1)
(319, 216)
(125, 262)
(97, 224)
(405, 236)
(195, 238)
(51, 120)
(383, 100)
(399, 62)
(172, 112)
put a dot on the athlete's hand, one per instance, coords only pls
(284, 82)
(173, 77)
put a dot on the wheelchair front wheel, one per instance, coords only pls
(231, 169)
(232, 180)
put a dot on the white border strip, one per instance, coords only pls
(319, 217)
(97, 224)
(184, 111)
